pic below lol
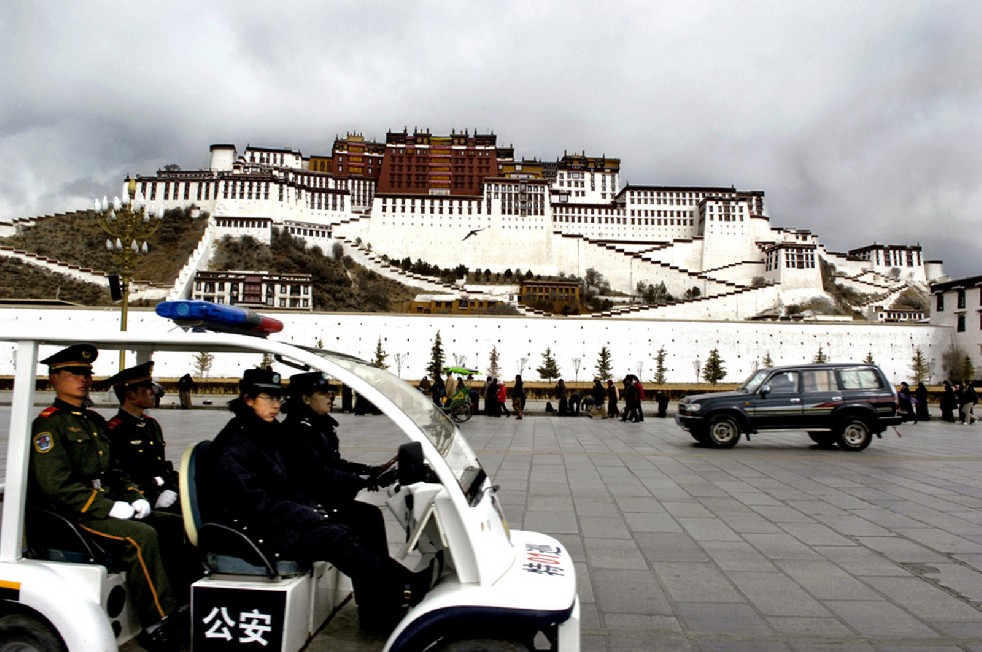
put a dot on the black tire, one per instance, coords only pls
(482, 645)
(853, 434)
(699, 435)
(460, 412)
(822, 438)
(26, 633)
(723, 432)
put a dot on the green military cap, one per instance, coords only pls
(77, 358)
(141, 374)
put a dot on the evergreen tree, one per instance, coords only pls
(918, 365)
(869, 358)
(549, 369)
(435, 367)
(767, 361)
(713, 371)
(603, 363)
(494, 370)
(660, 366)
(820, 357)
(380, 356)
(267, 361)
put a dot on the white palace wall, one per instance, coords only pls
(633, 343)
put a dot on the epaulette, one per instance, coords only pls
(112, 423)
(48, 411)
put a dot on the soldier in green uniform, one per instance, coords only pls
(138, 441)
(72, 471)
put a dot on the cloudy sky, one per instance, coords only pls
(861, 119)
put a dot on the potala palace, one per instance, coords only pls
(463, 199)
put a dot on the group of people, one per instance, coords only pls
(284, 482)
(632, 395)
(958, 397)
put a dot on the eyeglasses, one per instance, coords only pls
(271, 399)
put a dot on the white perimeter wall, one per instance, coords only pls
(632, 342)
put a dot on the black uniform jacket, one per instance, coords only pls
(247, 487)
(311, 452)
(138, 444)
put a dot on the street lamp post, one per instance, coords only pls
(576, 369)
(128, 222)
(696, 366)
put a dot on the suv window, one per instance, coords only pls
(817, 380)
(859, 379)
(785, 382)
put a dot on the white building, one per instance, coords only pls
(958, 307)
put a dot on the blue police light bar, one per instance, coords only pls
(205, 315)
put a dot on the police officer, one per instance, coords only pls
(247, 486)
(72, 471)
(138, 441)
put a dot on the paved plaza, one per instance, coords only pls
(772, 545)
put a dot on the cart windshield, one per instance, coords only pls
(431, 421)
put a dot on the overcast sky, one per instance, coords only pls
(861, 120)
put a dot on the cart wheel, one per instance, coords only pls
(460, 412)
(482, 645)
(25, 633)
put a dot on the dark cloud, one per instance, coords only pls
(859, 120)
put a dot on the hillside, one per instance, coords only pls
(78, 239)
(19, 280)
(339, 283)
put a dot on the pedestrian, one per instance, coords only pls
(599, 399)
(438, 390)
(905, 404)
(137, 439)
(967, 400)
(574, 403)
(185, 385)
(73, 472)
(247, 485)
(502, 398)
(491, 407)
(661, 398)
(559, 393)
(424, 385)
(518, 397)
(948, 403)
(640, 403)
(921, 408)
(612, 410)
(630, 401)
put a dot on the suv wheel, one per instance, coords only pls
(724, 431)
(854, 434)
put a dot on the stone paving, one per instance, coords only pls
(771, 545)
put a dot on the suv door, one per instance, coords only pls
(868, 385)
(781, 406)
(820, 396)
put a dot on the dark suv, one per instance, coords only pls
(837, 403)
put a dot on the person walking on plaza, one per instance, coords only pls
(904, 403)
(921, 408)
(612, 410)
(491, 407)
(73, 472)
(518, 397)
(438, 390)
(630, 400)
(559, 393)
(599, 399)
(640, 387)
(138, 441)
(967, 399)
(184, 386)
(661, 398)
(948, 403)
(502, 397)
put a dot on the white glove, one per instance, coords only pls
(142, 507)
(166, 499)
(121, 510)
